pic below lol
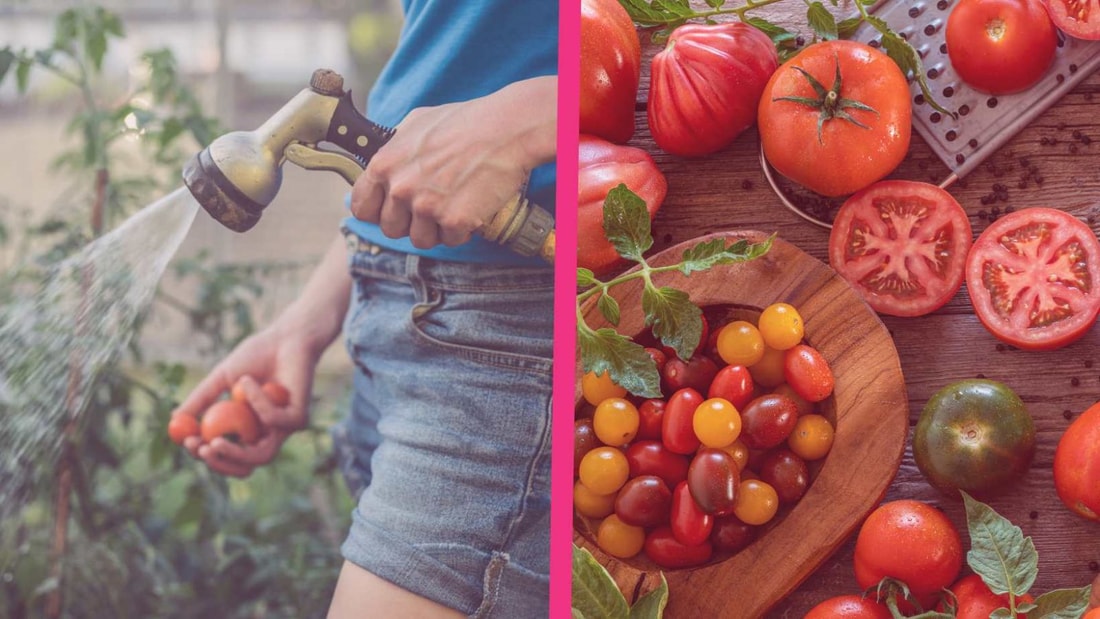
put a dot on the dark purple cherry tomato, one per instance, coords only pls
(696, 373)
(807, 372)
(644, 502)
(768, 420)
(677, 429)
(659, 357)
(584, 441)
(713, 478)
(787, 473)
(666, 551)
(729, 534)
(651, 458)
(732, 383)
(650, 415)
(691, 525)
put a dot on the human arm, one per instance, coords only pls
(450, 168)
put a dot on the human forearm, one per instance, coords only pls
(317, 315)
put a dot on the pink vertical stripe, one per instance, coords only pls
(565, 314)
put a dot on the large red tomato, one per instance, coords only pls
(912, 542)
(902, 245)
(1000, 46)
(1034, 278)
(706, 84)
(611, 60)
(1077, 465)
(1077, 18)
(602, 166)
(832, 143)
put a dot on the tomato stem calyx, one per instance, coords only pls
(831, 104)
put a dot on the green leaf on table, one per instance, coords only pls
(1061, 604)
(676, 321)
(609, 307)
(780, 36)
(628, 364)
(907, 59)
(847, 27)
(714, 252)
(822, 21)
(1006, 560)
(651, 605)
(595, 594)
(626, 223)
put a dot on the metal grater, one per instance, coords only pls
(984, 122)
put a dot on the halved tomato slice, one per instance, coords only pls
(1077, 18)
(1034, 278)
(902, 245)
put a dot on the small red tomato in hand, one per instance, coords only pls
(182, 426)
(278, 394)
(232, 420)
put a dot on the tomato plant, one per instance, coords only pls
(231, 420)
(836, 117)
(690, 525)
(713, 478)
(611, 62)
(666, 551)
(808, 373)
(1077, 465)
(677, 426)
(902, 245)
(705, 86)
(1000, 46)
(1077, 18)
(928, 561)
(602, 166)
(619, 539)
(644, 501)
(974, 435)
(1034, 278)
(732, 383)
(181, 426)
(767, 421)
(849, 607)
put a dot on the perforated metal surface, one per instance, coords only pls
(983, 122)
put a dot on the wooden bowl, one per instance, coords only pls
(871, 415)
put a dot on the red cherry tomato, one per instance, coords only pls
(611, 61)
(659, 358)
(644, 501)
(808, 373)
(696, 373)
(768, 420)
(902, 245)
(691, 525)
(787, 473)
(734, 384)
(730, 534)
(1077, 18)
(713, 479)
(677, 429)
(1000, 46)
(663, 548)
(651, 414)
(652, 458)
(181, 426)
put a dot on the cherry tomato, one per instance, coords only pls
(705, 85)
(830, 147)
(976, 601)
(619, 539)
(739, 452)
(740, 343)
(1077, 465)
(590, 504)
(812, 437)
(849, 606)
(1000, 46)
(767, 421)
(616, 421)
(644, 501)
(659, 358)
(732, 383)
(599, 387)
(662, 547)
(902, 245)
(716, 423)
(696, 373)
(787, 473)
(181, 426)
(650, 416)
(808, 373)
(1034, 278)
(729, 534)
(757, 502)
(652, 458)
(804, 407)
(928, 561)
(611, 62)
(713, 478)
(604, 470)
(602, 166)
(768, 371)
(1077, 18)
(781, 326)
(584, 441)
(975, 435)
(677, 429)
(231, 420)
(690, 525)
(278, 394)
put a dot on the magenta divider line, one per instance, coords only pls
(565, 314)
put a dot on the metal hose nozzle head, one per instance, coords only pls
(234, 179)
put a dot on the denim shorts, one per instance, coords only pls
(447, 444)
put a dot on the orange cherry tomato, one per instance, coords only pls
(232, 420)
(181, 426)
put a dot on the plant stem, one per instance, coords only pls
(646, 272)
(739, 11)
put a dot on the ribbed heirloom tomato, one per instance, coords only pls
(611, 60)
(836, 117)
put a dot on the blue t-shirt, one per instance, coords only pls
(457, 50)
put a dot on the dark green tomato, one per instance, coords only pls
(974, 435)
(644, 502)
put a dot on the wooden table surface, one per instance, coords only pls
(728, 191)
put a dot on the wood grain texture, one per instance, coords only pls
(871, 417)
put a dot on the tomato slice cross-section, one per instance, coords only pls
(1077, 18)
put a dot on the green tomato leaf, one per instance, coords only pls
(822, 21)
(676, 321)
(594, 591)
(7, 59)
(626, 223)
(22, 74)
(1061, 604)
(1001, 613)
(651, 605)
(609, 307)
(628, 364)
(847, 27)
(907, 59)
(783, 39)
(95, 46)
(1024, 607)
(714, 252)
(999, 553)
(65, 29)
(586, 278)
(577, 614)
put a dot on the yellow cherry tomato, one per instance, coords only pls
(598, 387)
(619, 539)
(616, 421)
(604, 470)
(781, 326)
(716, 422)
(740, 343)
(811, 438)
(768, 371)
(756, 503)
(740, 453)
(592, 505)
